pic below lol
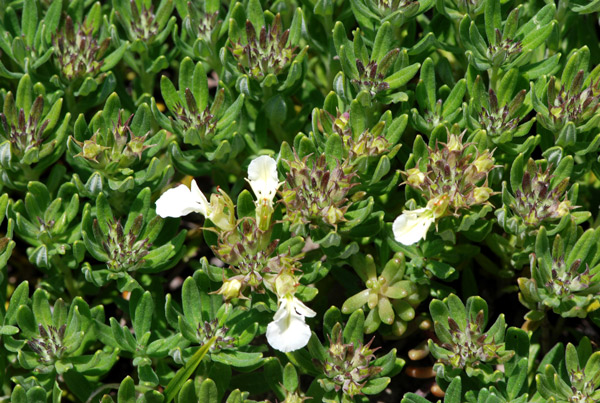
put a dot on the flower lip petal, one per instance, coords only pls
(262, 176)
(288, 331)
(181, 201)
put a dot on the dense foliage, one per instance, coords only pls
(300, 200)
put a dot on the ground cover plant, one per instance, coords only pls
(300, 200)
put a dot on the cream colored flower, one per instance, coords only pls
(182, 201)
(262, 176)
(288, 331)
(412, 225)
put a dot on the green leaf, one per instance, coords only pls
(334, 150)
(414, 398)
(428, 82)
(41, 307)
(245, 205)
(159, 64)
(402, 76)
(187, 392)
(290, 377)
(169, 93)
(457, 311)
(142, 314)
(383, 42)
(199, 86)
(126, 393)
(113, 58)
(26, 322)
(493, 20)
(103, 213)
(184, 373)
(455, 98)
(562, 171)
(296, 27)
(255, 14)
(52, 20)
(190, 298)
(516, 173)
(453, 393)
(29, 22)
(24, 98)
(354, 330)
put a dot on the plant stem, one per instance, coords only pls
(493, 72)
(68, 277)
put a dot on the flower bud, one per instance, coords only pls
(484, 163)
(222, 212)
(482, 194)
(454, 143)
(415, 177)
(285, 283)
(439, 206)
(564, 208)
(230, 289)
(91, 150)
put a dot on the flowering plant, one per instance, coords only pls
(291, 201)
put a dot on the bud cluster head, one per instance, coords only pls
(115, 149)
(314, 193)
(78, 52)
(535, 201)
(204, 24)
(387, 7)
(576, 104)
(371, 76)
(497, 121)
(23, 132)
(125, 251)
(249, 251)
(143, 22)
(583, 388)
(504, 51)
(349, 366)
(369, 143)
(471, 346)
(456, 175)
(49, 346)
(265, 53)
(568, 280)
(210, 329)
(566, 289)
(203, 122)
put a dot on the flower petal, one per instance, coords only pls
(262, 176)
(302, 309)
(412, 225)
(289, 333)
(200, 198)
(180, 201)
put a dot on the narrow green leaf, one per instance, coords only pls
(29, 22)
(184, 373)
(142, 315)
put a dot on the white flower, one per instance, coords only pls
(288, 331)
(181, 201)
(412, 225)
(262, 176)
